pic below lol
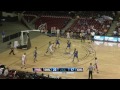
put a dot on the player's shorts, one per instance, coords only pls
(50, 49)
(35, 56)
(23, 62)
(76, 56)
(57, 43)
(68, 37)
(96, 66)
(68, 46)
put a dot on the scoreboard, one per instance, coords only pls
(57, 69)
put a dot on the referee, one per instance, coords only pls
(90, 68)
(12, 51)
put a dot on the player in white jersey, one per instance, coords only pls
(51, 48)
(23, 60)
(58, 32)
(68, 35)
(90, 49)
(96, 65)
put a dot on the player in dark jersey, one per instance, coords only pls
(35, 54)
(74, 51)
(68, 45)
(57, 43)
(75, 55)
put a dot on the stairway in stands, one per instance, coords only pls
(68, 25)
(112, 28)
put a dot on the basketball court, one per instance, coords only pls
(107, 53)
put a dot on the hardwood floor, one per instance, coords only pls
(108, 58)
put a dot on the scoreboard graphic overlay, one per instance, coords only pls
(58, 70)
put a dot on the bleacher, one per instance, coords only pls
(5, 73)
(53, 21)
(84, 23)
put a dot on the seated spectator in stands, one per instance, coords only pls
(1, 71)
(114, 33)
(2, 66)
(118, 34)
(6, 71)
(118, 29)
(108, 26)
(105, 31)
(10, 74)
(82, 31)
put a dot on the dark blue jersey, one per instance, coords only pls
(57, 42)
(68, 44)
(76, 54)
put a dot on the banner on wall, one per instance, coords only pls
(107, 38)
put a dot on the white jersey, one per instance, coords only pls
(23, 57)
(51, 47)
(68, 35)
(96, 61)
(58, 31)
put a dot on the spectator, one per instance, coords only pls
(1, 71)
(114, 33)
(6, 72)
(3, 35)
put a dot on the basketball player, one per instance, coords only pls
(48, 46)
(90, 49)
(35, 54)
(68, 45)
(82, 36)
(96, 65)
(57, 43)
(68, 35)
(12, 51)
(58, 32)
(75, 55)
(73, 52)
(51, 48)
(23, 60)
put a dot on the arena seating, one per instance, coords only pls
(95, 13)
(29, 17)
(53, 21)
(84, 23)
(14, 74)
